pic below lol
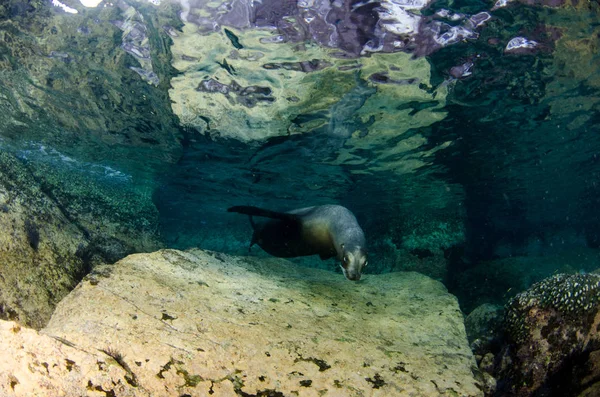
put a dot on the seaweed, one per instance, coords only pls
(377, 381)
(119, 358)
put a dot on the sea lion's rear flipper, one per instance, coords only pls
(254, 236)
(255, 211)
(291, 222)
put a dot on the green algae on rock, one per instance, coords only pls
(58, 224)
(104, 209)
(483, 325)
(39, 264)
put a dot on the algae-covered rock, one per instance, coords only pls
(104, 203)
(196, 322)
(483, 324)
(385, 256)
(58, 223)
(552, 328)
(39, 264)
(423, 233)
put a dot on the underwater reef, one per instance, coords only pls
(199, 322)
(547, 343)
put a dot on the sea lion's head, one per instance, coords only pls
(354, 259)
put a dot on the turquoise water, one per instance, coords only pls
(464, 135)
(462, 131)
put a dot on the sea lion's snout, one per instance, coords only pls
(353, 262)
(352, 276)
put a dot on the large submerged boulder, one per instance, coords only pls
(553, 339)
(200, 323)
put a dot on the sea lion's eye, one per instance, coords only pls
(366, 263)
(345, 261)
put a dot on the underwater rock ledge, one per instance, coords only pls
(38, 261)
(199, 323)
(57, 226)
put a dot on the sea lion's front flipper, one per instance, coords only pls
(255, 211)
(254, 239)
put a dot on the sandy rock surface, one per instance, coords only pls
(196, 323)
(32, 364)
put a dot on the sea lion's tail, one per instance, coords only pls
(255, 211)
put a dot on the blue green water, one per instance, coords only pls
(461, 133)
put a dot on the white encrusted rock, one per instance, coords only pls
(191, 322)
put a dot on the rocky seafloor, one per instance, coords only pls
(187, 323)
(194, 323)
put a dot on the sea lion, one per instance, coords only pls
(325, 230)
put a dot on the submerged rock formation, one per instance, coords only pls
(553, 339)
(38, 246)
(57, 225)
(199, 323)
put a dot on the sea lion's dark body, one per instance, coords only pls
(326, 230)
